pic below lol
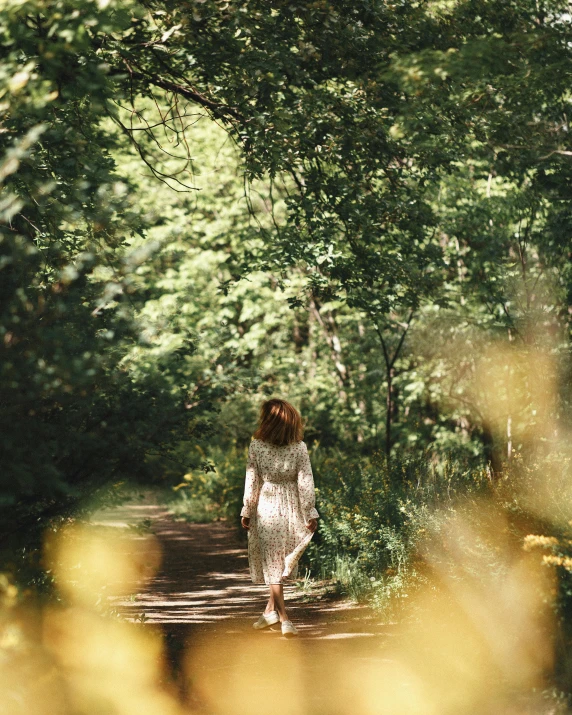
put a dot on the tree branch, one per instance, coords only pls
(221, 111)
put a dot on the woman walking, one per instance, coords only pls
(278, 511)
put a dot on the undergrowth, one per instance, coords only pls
(373, 519)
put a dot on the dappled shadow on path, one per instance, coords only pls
(202, 598)
(476, 639)
(204, 580)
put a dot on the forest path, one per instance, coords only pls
(202, 599)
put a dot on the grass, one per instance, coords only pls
(193, 510)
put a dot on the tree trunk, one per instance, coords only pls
(389, 414)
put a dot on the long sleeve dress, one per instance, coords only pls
(279, 499)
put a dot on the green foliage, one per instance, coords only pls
(73, 415)
(215, 491)
(348, 204)
(361, 206)
(373, 519)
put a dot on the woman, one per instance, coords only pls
(278, 511)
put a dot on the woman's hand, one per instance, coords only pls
(312, 525)
(245, 521)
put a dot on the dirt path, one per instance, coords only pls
(202, 597)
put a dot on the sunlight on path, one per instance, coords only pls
(474, 640)
(203, 602)
(204, 580)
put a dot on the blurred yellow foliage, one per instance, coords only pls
(477, 637)
(90, 562)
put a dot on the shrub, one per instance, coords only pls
(373, 517)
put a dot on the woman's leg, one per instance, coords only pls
(277, 598)
(270, 605)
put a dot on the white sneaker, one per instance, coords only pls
(266, 619)
(289, 629)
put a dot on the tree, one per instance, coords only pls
(362, 121)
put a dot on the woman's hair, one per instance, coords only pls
(280, 423)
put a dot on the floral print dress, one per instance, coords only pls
(279, 500)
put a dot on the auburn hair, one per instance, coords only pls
(279, 423)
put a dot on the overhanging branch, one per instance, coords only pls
(221, 111)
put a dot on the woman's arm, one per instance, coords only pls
(306, 489)
(251, 488)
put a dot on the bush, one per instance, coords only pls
(214, 489)
(372, 518)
